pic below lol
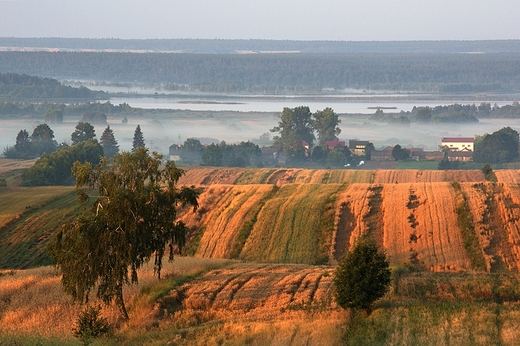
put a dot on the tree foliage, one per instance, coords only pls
(84, 131)
(133, 218)
(295, 126)
(399, 153)
(109, 143)
(138, 141)
(362, 277)
(42, 140)
(499, 147)
(326, 125)
(55, 168)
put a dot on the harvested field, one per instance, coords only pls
(420, 176)
(351, 208)
(260, 290)
(495, 211)
(421, 227)
(288, 226)
(7, 165)
(222, 212)
(210, 176)
(255, 176)
(509, 176)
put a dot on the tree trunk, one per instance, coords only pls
(120, 302)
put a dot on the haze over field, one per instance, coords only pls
(286, 20)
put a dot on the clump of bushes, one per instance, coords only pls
(90, 325)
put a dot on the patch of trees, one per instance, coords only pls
(499, 147)
(244, 154)
(455, 113)
(22, 86)
(91, 112)
(297, 131)
(40, 141)
(262, 72)
(55, 168)
(399, 153)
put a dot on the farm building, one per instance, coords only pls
(458, 143)
(360, 148)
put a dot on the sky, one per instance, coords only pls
(360, 20)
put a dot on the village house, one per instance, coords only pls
(458, 143)
(360, 148)
(458, 148)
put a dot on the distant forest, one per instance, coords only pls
(280, 73)
(220, 46)
(15, 86)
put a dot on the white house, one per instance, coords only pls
(458, 143)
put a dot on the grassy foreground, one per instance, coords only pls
(192, 306)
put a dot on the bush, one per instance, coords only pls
(90, 325)
(362, 277)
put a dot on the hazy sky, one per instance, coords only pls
(267, 19)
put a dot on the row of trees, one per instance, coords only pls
(53, 113)
(262, 72)
(56, 160)
(244, 154)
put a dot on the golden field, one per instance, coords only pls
(260, 258)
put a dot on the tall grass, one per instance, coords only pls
(288, 226)
(471, 243)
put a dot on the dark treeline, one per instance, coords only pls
(226, 46)
(10, 109)
(279, 73)
(15, 86)
(455, 113)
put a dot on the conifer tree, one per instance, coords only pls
(109, 143)
(138, 141)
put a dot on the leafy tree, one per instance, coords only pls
(42, 140)
(318, 154)
(55, 168)
(109, 143)
(53, 116)
(138, 141)
(423, 114)
(84, 131)
(295, 126)
(399, 153)
(94, 118)
(362, 276)
(326, 125)
(212, 155)
(336, 158)
(133, 218)
(499, 147)
(191, 151)
(23, 144)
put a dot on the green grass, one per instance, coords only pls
(288, 225)
(247, 227)
(466, 224)
(420, 165)
(39, 211)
